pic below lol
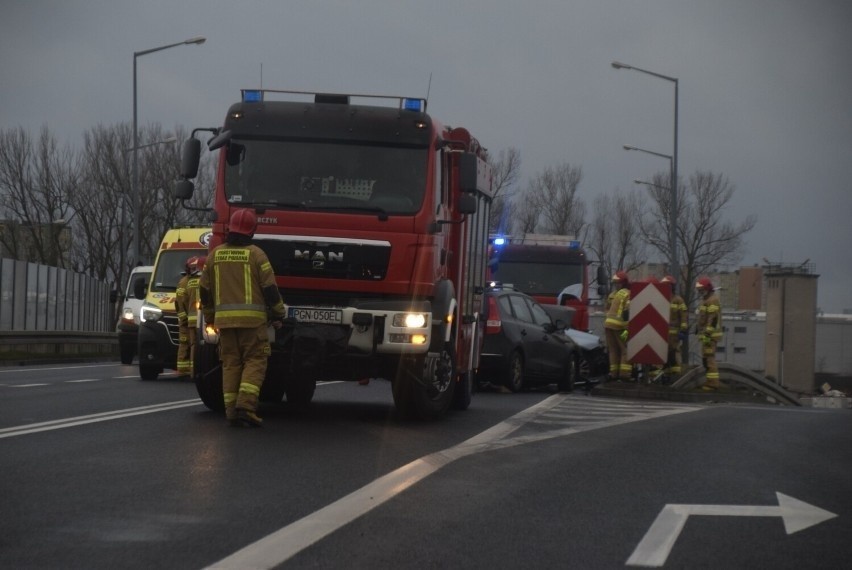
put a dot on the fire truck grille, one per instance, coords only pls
(328, 260)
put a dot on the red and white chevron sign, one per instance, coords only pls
(648, 329)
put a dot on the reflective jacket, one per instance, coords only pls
(710, 317)
(616, 314)
(233, 284)
(677, 315)
(192, 300)
(181, 301)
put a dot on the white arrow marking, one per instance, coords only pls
(660, 538)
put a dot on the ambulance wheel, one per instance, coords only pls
(148, 372)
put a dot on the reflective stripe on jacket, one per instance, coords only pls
(710, 317)
(181, 301)
(235, 277)
(192, 300)
(615, 315)
(677, 315)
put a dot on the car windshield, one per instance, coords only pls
(538, 278)
(143, 276)
(320, 175)
(171, 266)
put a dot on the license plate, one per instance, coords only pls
(316, 315)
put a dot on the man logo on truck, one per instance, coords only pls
(318, 256)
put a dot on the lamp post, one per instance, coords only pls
(137, 216)
(668, 157)
(673, 260)
(168, 140)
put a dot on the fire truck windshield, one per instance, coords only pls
(544, 279)
(300, 174)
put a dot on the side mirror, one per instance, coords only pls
(467, 204)
(190, 158)
(184, 189)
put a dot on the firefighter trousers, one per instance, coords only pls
(708, 355)
(619, 367)
(244, 353)
(184, 360)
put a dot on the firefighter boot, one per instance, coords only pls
(231, 416)
(249, 418)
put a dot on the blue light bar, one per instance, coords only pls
(574, 244)
(499, 241)
(413, 105)
(252, 96)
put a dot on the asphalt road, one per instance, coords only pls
(103, 470)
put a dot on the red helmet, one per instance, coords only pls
(669, 279)
(189, 263)
(243, 221)
(620, 277)
(704, 283)
(195, 264)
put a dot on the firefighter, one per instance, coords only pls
(194, 267)
(709, 330)
(615, 327)
(237, 291)
(184, 361)
(678, 330)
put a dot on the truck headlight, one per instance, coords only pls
(150, 313)
(409, 320)
(127, 314)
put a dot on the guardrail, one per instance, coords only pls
(50, 344)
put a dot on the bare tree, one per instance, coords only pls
(554, 194)
(36, 180)
(505, 171)
(705, 240)
(615, 236)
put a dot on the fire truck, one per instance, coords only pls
(553, 269)
(375, 219)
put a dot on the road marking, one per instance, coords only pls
(657, 543)
(94, 418)
(4, 370)
(83, 380)
(276, 548)
(25, 385)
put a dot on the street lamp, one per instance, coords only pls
(675, 268)
(167, 140)
(135, 181)
(646, 183)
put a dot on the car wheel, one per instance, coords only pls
(128, 351)
(515, 374)
(569, 375)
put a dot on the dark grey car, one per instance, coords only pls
(523, 346)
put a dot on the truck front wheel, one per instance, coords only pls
(208, 376)
(423, 386)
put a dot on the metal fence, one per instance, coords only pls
(40, 298)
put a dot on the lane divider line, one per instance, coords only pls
(94, 418)
(276, 548)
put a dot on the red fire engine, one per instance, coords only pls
(375, 219)
(553, 269)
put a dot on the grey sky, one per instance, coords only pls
(765, 86)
